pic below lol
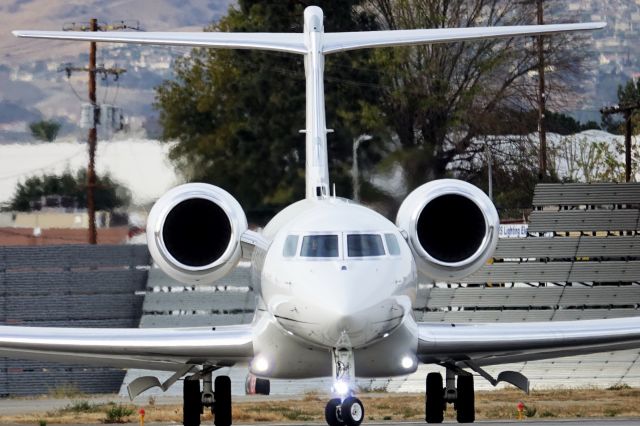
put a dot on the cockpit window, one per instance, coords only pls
(362, 245)
(392, 244)
(290, 246)
(319, 246)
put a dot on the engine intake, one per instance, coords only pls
(452, 228)
(194, 232)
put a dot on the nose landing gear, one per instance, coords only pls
(346, 409)
(347, 412)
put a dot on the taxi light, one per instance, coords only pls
(260, 364)
(407, 362)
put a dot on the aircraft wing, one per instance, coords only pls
(167, 349)
(283, 42)
(496, 343)
(339, 42)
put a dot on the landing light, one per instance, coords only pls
(341, 387)
(407, 362)
(260, 364)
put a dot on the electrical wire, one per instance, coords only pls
(74, 90)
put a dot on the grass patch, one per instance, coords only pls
(547, 414)
(80, 407)
(117, 413)
(495, 405)
(619, 386)
(530, 411)
(67, 390)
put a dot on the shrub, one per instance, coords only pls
(117, 413)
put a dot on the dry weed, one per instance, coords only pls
(500, 404)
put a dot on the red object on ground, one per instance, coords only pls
(141, 412)
(520, 406)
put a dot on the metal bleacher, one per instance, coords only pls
(580, 260)
(68, 286)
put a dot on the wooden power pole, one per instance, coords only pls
(627, 112)
(92, 137)
(542, 99)
(92, 140)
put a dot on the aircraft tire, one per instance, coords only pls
(192, 405)
(352, 411)
(263, 386)
(331, 413)
(434, 403)
(222, 404)
(465, 405)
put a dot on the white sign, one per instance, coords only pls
(513, 231)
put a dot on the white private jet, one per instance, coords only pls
(335, 280)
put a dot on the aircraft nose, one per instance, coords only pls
(349, 322)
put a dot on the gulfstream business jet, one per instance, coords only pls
(336, 281)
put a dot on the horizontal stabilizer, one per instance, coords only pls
(339, 42)
(283, 42)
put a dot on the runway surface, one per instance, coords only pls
(19, 405)
(614, 422)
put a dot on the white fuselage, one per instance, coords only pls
(336, 270)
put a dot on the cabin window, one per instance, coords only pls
(363, 245)
(290, 246)
(392, 244)
(319, 246)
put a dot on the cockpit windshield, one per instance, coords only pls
(341, 245)
(320, 246)
(364, 245)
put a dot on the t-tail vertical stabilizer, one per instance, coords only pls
(314, 43)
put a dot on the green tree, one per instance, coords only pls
(71, 190)
(236, 115)
(45, 130)
(438, 98)
(629, 94)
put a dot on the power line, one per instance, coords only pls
(93, 71)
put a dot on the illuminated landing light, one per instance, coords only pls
(407, 362)
(385, 335)
(260, 364)
(341, 387)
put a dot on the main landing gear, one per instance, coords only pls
(219, 401)
(345, 409)
(462, 397)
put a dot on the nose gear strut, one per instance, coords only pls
(344, 409)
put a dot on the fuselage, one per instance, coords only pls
(336, 270)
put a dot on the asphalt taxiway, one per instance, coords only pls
(567, 422)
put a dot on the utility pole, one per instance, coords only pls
(92, 138)
(627, 112)
(542, 98)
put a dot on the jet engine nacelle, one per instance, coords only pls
(452, 228)
(194, 232)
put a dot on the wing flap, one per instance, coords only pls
(162, 348)
(283, 42)
(496, 343)
(339, 42)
